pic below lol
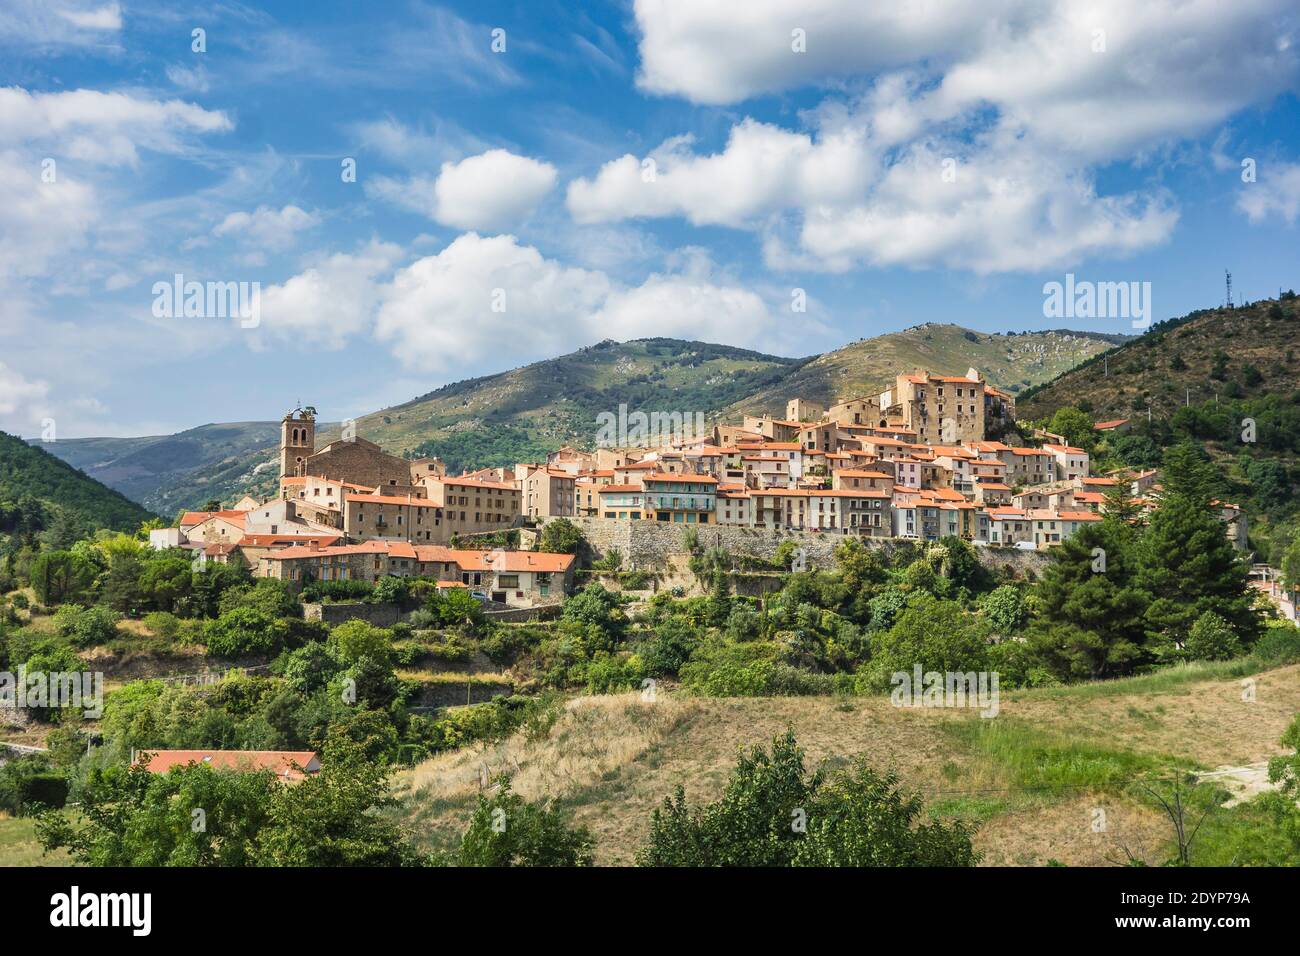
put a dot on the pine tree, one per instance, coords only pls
(1188, 567)
(1091, 610)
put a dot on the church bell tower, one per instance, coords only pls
(297, 440)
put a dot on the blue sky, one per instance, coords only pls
(503, 208)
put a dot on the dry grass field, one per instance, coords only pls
(1033, 777)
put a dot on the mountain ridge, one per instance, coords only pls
(521, 413)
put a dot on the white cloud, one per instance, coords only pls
(40, 221)
(330, 301)
(688, 307)
(1024, 100)
(43, 23)
(1174, 66)
(267, 228)
(107, 17)
(192, 80)
(103, 128)
(491, 191)
(763, 168)
(715, 51)
(22, 402)
(438, 313)
(1276, 192)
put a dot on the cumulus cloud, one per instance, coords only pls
(491, 296)
(267, 228)
(22, 401)
(761, 169)
(331, 300)
(491, 191)
(1275, 193)
(975, 144)
(485, 295)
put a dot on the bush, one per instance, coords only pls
(355, 639)
(86, 627)
(1212, 639)
(1280, 643)
(162, 624)
(243, 631)
(560, 536)
(613, 675)
(508, 831)
(774, 813)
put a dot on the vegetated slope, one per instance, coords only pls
(29, 471)
(522, 414)
(1246, 352)
(1029, 778)
(1011, 361)
(168, 473)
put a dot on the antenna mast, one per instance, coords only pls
(1228, 279)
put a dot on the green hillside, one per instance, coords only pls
(1011, 361)
(171, 472)
(1225, 380)
(39, 492)
(522, 414)
(1242, 353)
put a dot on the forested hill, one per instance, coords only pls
(40, 492)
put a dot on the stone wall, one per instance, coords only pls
(649, 544)
(380, 615)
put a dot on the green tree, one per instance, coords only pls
(1091, 619)
(1187, 566)
(189, 816)
(597, 614)
(59, 576)
(243, 631)
(507, 830)
(332, 818)
(1074, 425)
(1188, 471)
(1284, 771)
(454, 606)
(939, 635)
(355, 639)
(560, 536)
(1005, 609)
(1212, 639)
(774, 813)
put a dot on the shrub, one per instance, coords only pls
(1279, 645)
(509, 831)
(355, 639)
(163, 624)
(612, 675)
(243, 631)
(86, 627)
(856, 818)
(1212, 639)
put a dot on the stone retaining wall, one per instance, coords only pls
(649, 544)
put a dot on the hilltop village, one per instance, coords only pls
(932, 456)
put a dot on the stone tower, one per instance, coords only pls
(297, 440)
